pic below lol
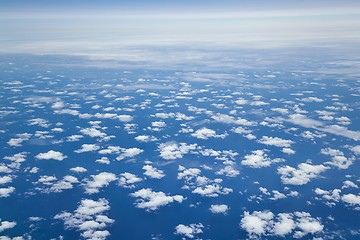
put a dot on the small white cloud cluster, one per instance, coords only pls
(260, 224)
(6, 225)
(189, 231)
(51, 155)
(172, 150)
(153, 172)
(87, 148)
(301, 175)
(275, 194)
(151, 200)
(50, 183)
(129, 153)
(258, 159)
(20, 138)
(206, 133)
(219, 208)
(200, 184)
(275, 141)
(89, 219)
(98, 181)
(128, 180)
(337, 158)
(331, 197)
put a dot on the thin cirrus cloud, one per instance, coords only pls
(93, 28)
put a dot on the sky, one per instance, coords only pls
(94, 26)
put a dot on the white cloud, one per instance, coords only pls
(153, 172)
(351, 199)
(258, 159)
(302, 175)
(288, 151)
(127, 180)
(145, 138)
(312, 99)
(356, 149)
(302, 120)
(337, 158)
(87, 148)
(89, 219)
(78, 169)
(228, 171)
(260, 224)
(17, 142)
(98, 181)
(5, 180)
(275, 141)
(172, 150)
(151, 200)
(17, 158)
(93, 132)
(221, 208)
(55, 155)
(189, 231)
(5, 192)
(206, 133)
(129, 153)
(212, 190)
(6, 225)
(125, 118)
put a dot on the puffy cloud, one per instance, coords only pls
(158, 124)
(302, 175)
(89, 219)
(129, 153)
(187, 173)
(50, 183)
(258, 159)
(221, 208)
(189, 231)
(151, 200)
(206, 133)
(5, 192)
(349, 184)
(288, 151)
(93, 132)
(125, 118)
(342, 131)
(351, 199)
(172, 150)
(265, 223)
(17, 142)
(228, 171)
(212, 190)
(18, 157)
(55, 155)
(356, 149)
(338, 158)
(127, 180)
(302, 120)
(256, 223)
(78, 169)
(5, 180)
(98, 181)
(312, 99)
(87, 148)
(275, 141)
(6, 225)
(145, 138)
(153, 172)
(39, 122)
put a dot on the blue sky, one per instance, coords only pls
(81, 24)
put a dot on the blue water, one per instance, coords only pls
(86, 86)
